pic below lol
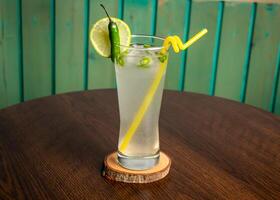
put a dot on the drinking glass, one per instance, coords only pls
(136, 68)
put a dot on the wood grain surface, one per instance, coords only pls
(54, 147)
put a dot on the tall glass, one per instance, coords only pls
(136, 69)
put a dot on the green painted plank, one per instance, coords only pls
(138, 15)
(166, 26)
(36, 48)
(120, 8)
(9, 51)
(53, 43)
(101, 70)
(275, 102)
(248, 52)
(199, 59)
(85, 43)
(69, 45)
(216, 50)
(20, 49)
(232, 50)
(181, 84)
(263, 57)
(154, 17)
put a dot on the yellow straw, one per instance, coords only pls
(176, 44)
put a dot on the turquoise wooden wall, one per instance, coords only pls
(44, 47)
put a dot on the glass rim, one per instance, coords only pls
(154, 48)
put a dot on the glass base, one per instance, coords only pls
(138, 162)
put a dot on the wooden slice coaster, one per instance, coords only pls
(114, 171)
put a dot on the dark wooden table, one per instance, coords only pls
(53, 148)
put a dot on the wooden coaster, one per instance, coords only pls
(114, 171)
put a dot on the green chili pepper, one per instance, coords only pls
(120, 60)
(114, 36)
(162, 57)
(147, 45)
(144, 62)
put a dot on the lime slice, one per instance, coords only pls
(99, 35)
